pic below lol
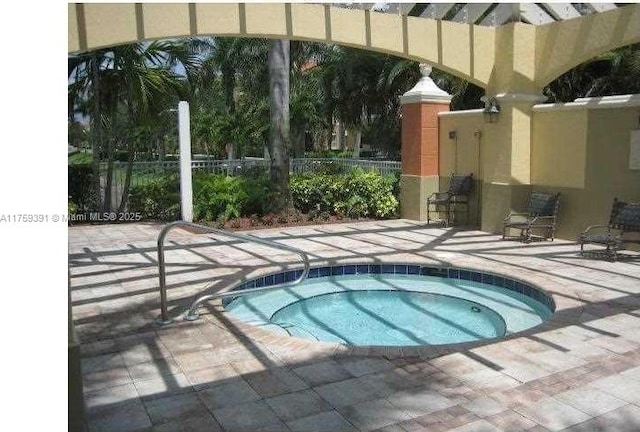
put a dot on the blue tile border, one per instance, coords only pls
(406, 269)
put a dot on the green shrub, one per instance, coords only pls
(259, 197)
(157, 199)
(81, 189)
(80, 158)
(329, 167)
(72, 208)
(329, 154)
(218, 197)
(356, 194)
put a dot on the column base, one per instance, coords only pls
(414, 191)
(498, 199)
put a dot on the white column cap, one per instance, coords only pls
(425, 90)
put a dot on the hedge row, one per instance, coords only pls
(217, 197)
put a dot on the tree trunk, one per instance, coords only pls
(298, 138)
(127, 180)
(357, 134)
(131, 150)
(231, 155)
(96, 134)
(109, 181)
(340, 137)
(279, 122)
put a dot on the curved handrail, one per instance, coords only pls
(191, 314)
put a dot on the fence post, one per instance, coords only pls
(186, 192)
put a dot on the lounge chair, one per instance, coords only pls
(456, 195)
(539, 217)
(624, 223)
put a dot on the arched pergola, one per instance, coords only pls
(515, 57)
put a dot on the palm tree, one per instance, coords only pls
(279, 69)
(126, 86)
(366, 89)
(231, 68)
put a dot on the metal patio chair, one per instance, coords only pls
(538, 221)
(624, 224)
(457, 195)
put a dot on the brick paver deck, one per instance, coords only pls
(579, 371)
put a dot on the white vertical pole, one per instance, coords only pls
(186, 192)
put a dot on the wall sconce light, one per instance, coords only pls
(491, 110)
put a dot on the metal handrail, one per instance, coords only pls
(192, 314)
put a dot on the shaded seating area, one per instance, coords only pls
(538, 221)
(622, 230)
(455, 199)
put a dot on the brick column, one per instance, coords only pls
(420, 145)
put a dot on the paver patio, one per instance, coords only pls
(579, 371)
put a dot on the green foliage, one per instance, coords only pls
(613, 73)
(220, 198)
(316, 154)
(356, 194)
(81, 187)
(215, 197)
(158, 199)
(72, 208)
(329, 167)
(259, 195)
(80, 158)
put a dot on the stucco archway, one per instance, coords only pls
(515, 58)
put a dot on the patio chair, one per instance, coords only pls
(540, 216)
(624, 223)
(456, 195)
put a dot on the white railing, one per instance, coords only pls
(304, 165)
(237, 166)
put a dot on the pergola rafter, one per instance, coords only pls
(489, 14)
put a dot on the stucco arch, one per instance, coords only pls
(464, 50)
(516, 58)
(561, 46)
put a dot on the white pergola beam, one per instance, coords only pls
(562, 11)
(502, 14)
(437, 10)
(405, 8)
(602, 7)
(534, 14)
(471, 12)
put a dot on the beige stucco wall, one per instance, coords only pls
(515, 63)
(580, 150)
(462, 153)
(559, 153)
(583, 152)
